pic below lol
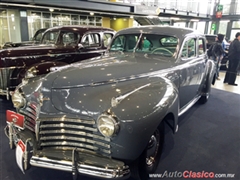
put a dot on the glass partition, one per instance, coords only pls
(9, 26)
(34, 22)
(38, 20)
(223, 27)
(4, 34)
(14, 25)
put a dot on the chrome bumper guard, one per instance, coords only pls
(75, 167)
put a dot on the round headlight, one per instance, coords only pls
(107, 125)
(18, 99)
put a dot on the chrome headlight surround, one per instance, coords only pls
(32, 72)
(107, 125)
(18, 99)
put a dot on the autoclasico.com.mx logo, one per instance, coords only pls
(191, 174)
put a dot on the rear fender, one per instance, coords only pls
(209, 78)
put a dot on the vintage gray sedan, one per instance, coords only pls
(105, 117)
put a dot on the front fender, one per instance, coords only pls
(40, 68)
(140, 114)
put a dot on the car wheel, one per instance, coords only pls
(204, 98)
(149, 159)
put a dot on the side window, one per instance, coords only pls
(144, 45)
(107, 37)
(201, 47)
(50, 37)
(96, 39)
(70, 38)
(189, 49)
(91, 40)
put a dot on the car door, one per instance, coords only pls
(190, 69)
(59, 46)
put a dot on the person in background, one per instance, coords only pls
(234, 60)
(218, 52)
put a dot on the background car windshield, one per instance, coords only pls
(149, 43)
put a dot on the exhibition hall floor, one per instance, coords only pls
(208, 141)
(220, 85)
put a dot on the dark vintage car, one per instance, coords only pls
(34, 40)
(59, 46)
(105, 117)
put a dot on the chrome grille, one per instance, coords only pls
(5, 74)
(65, 133)
(30, 113)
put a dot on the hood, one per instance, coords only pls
(109, 69)
(17, 44)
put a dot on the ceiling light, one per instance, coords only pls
(91, 13)
(195, 20)
(174, 18)
(51, 10)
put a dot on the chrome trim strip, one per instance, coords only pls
(102, 172)
(80, 133)
(76, 145)
(81, 145)
(189, 105)
(64, 119)
(74, 139)
(80, 127)
(107, 152)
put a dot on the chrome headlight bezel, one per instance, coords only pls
(32, 72)
(18, 99)
(108, 125)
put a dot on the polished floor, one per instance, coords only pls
(220, 85)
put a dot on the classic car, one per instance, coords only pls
(105, 117)
(59, 46)
(34, 40)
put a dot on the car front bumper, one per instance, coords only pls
(82, 163)
(75, 160)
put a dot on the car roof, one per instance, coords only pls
(161, 29)
(81, 28)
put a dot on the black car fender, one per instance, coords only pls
(40, 68)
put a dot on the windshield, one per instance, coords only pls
(160, 45)
(38, 35)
